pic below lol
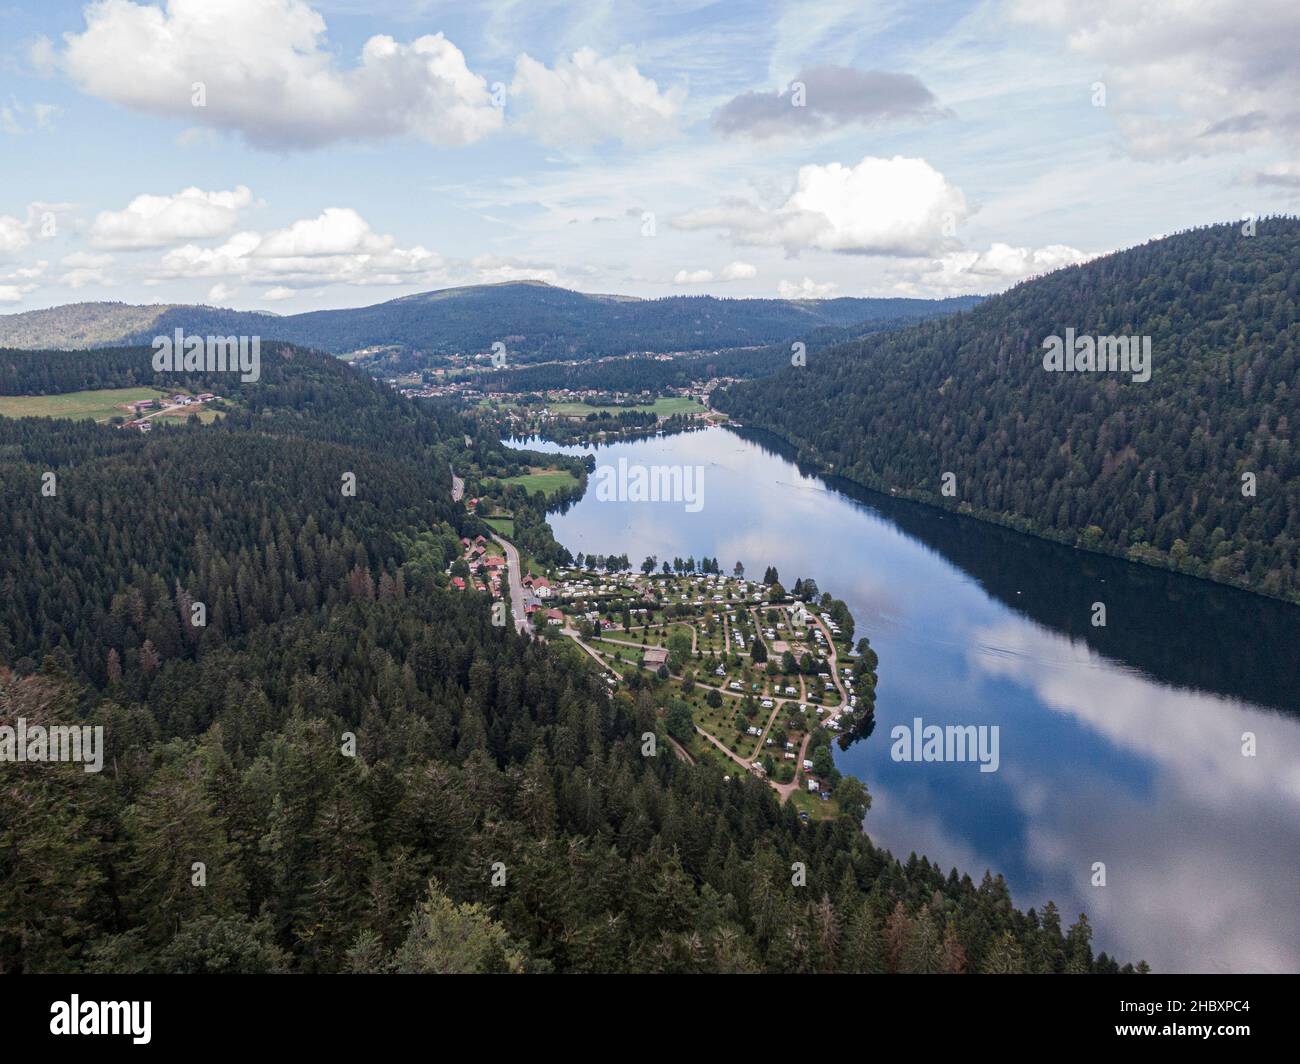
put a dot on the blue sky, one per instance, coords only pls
(297, 154)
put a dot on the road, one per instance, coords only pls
(515, 576)
(457, 487)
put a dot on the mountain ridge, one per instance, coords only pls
(536, 320)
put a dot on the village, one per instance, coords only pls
(751, 678)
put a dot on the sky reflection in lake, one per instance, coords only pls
(1121, 745)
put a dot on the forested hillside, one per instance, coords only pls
(479, 754)
(535, 321)
(1154, 471)
(652, 375)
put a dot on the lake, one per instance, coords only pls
(1120, 745)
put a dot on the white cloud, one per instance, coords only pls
(157, 221)
(693, 277)
(19, 283)
(83, 276)
(336, 231)
(277, 293)
(495, 269)
(85, 268)
(26, 273)
(337, 246)
(221, 293)
(971, 272)
(501, 274)
(13, 235)
(267, 72)
(806, 289)
(738, 271)
(1185, 79)
(895, 206)
(586, 99)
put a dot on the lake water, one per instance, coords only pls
(1121, 745)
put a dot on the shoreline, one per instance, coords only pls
(815, 467)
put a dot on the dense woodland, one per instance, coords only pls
(480, 754)
(1151, 471)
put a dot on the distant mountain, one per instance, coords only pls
(1194, 469)
(78, 326)
(535, 321)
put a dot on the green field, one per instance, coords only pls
(503, 526)
(548, 482)
(813, 805)
(664, 406)
(99, 405)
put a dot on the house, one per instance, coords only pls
(813, 786)
(458, 583)
(653, 657)
(807, 765)
(554, 617)
(205, 397)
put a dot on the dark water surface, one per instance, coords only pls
(1120, 745)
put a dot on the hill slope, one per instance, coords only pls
(534, 320)
(329, 620)
(1153, 471)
